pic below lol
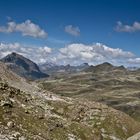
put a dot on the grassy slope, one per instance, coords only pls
(117, 89)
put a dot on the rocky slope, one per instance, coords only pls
(29, 113)
(23, 66)
(13, 79)
(135, 137)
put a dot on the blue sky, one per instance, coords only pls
(109, 22)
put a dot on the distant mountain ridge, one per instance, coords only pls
(53, 68)
(23, 66)
(104, 67)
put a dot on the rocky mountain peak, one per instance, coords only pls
(23, 66)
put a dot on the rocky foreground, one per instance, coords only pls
(30, 113)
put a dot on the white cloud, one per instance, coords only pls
(93, 54)
(75, 31)
(27, 28)
(73, 54)
(134, 60)
(127, 28)
(36, 54)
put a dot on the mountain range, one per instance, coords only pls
(31, 71)
(53, 68)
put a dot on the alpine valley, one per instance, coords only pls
(52, 102)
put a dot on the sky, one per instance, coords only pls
(71, 31)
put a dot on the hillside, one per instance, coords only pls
(114, 86)
(104, 67)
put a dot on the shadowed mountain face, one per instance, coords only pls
(23, 66)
